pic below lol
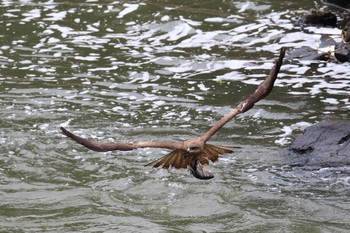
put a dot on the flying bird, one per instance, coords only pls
(193, 153)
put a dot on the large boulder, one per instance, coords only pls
(329, 50)
(320, 18)
(326, 143)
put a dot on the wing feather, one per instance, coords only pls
(212, 153)
(179, 158)
(169, 162)
(203, 159)
(94, 145)
(173, 159)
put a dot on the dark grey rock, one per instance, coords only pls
(345, 34)
(341, 51)
(320, 18)
(306, 53)
(326, 143)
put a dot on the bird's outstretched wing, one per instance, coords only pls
(261, 92)
(212, 153)
(94, 145)
(176, 159)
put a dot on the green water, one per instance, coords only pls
(162, 70)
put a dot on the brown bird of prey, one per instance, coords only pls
(193, 153)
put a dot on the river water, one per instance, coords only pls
(151, 70)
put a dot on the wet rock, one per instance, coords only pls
(324, 53)
(320, 18)
(342, 54)
(333, 50)
(306, 53)
(329, 50)
(346, 33)
(326, 143)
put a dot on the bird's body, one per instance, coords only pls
(194, 153)
(180, 158)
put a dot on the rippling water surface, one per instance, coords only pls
(161, 70)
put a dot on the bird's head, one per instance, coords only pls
(195, 145)
(193, 149)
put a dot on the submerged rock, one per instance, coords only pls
(326, 143)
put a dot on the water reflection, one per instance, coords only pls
(140, 71)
